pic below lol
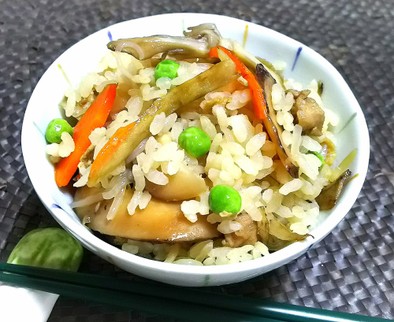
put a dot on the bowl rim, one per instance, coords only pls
(275, 259)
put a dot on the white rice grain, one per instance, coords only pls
(267, 195)
(261, 248)
(309, 165)
(238, 99)
(70, 103)
(233, 148)
(229, 226)
(310, 144)
(134, 106)
(241, 126)
(157, 123)
(66, 146)
(173, 253)
(275, 202)
(299, 228)
(169, 122)
(176, 130)
(255, 143)
(151, 145)
(284, 212)
(165, 152)
(157, 177)
(116, 203)
(208, 126)
(190, 209)
(240, 254)
(296, 140)
(144, 200)
(139, 179)
(246, 164)
(291, 186)
(134, 201)
(221, 116)
(164, 83)
(132, 249)
(200, 251)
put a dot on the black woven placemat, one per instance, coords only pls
(352, 269)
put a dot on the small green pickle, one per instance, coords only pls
(50, 247)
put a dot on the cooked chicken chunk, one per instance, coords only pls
(247, 235)
(307, 113)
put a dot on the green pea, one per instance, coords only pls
(223, 198)
(166, 68)
(55, 129)
(194, 141)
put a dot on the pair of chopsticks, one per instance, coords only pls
(188, 304)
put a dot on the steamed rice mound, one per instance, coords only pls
(241, 155)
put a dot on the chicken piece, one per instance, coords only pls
(307, 113)
(159, 221)
(247, 235)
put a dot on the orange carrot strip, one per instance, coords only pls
(259, 105)
(95, 116)
(214, 52)
(107, 152)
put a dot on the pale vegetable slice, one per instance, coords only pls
(159, 221)
(183, 185)
(275, 235)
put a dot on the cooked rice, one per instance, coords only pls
(241, 155)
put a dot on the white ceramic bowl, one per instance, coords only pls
(303, 63)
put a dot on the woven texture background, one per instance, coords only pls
(352, 269)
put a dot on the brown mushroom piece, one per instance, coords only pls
(247, 235)
(272, 127)
(328, 197)
(196, 43)
(159, 221)
(307, 113)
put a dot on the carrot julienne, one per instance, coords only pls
(259, 105)
(95, 116)
(108, 150)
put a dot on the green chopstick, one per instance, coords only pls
(156, 305)
(147, 304)
(179, 302)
